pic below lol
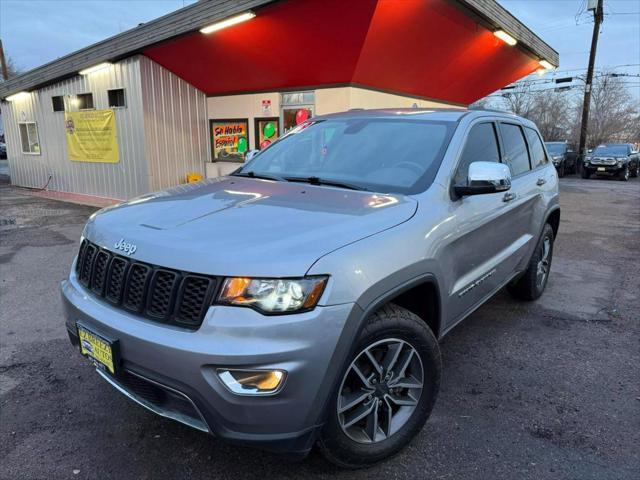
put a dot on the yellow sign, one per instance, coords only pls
(91, 136)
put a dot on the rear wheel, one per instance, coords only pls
(386, 393)
(532, 283)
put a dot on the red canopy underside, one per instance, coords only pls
(423, 48)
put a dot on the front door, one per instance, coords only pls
(482, 252)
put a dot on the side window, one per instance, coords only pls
(515, 148)
(481, 146)
(29, 137)
(536, 150)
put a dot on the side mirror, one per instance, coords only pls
(251, 154)
(485, 177)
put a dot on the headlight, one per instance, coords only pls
(619, 163)
(273, 295)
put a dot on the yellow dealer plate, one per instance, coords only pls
(103, 352)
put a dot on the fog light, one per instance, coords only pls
(252, 382)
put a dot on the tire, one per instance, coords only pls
(391, 329)
(561, 170)
(623, 175)
(530, 285)
(584, 173)
(634, 172)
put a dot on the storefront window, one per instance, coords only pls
(229, 139)
(266, 131)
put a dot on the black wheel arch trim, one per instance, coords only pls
(347, 343)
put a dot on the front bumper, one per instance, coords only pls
(306, 346)
(604, 169)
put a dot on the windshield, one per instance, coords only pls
(377, 154)
(610, 150)
(556, 148)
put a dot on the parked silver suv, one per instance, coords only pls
(300, 300)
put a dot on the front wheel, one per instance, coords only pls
(386, 393)
(533, 281)
(634, 173)
(561, 170)
(623, 175)
(584, 172)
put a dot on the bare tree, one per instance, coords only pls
(614, 114)
(551, 111)
(519, 100)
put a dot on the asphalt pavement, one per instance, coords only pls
(542, 390)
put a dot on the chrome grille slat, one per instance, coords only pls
(161, 294)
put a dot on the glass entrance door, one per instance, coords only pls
(296, 107)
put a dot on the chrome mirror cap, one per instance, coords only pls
(485, 177)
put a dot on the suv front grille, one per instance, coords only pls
(161, 294)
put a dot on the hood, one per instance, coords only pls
(245, 227)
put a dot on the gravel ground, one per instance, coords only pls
(546, 390)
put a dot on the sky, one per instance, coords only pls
(38, 31)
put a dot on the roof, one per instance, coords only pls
(440, 114)
(193, 17)
(436, 114)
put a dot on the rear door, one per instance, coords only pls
(531, 176)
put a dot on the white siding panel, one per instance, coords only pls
(175, 125)
(123, 180)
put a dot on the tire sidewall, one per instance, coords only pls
(547, 232)
(350, 454)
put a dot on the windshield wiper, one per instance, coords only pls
(322, 181)
(263, 176)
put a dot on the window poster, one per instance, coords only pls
(229, 139)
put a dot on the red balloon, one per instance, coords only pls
(264, 144)
(301, 115)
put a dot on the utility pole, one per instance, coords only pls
(3, 64)
(597, 20)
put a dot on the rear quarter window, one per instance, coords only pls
(536, 150)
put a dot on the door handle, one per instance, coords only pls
(508, 197)
(541, 181)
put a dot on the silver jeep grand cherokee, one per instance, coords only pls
(300, 300)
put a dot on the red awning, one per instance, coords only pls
(423, 48)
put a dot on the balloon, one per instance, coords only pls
(264, 144)
(301, 115)
(269, 130)
(242, 145)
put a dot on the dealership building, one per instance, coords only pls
(189, 94)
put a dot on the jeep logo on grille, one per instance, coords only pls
(126, 247)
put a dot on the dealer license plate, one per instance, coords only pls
(103, 352)
(602, 169)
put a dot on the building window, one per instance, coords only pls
(116, 98)
(58, 103)
(82, 101)
(29, 138)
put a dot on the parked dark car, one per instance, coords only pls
(3, 151)
(612, 159)
(563, 156)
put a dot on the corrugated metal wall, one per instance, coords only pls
(123, 180)
(175, 115)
